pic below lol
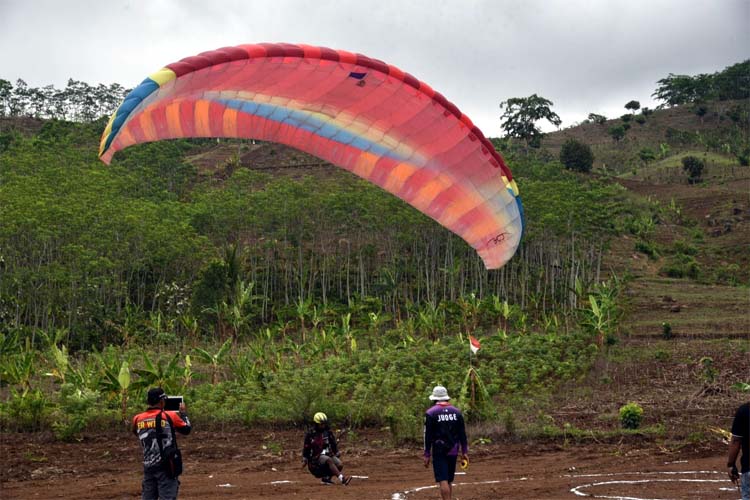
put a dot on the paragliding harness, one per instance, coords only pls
(170, 455)
(313, 463)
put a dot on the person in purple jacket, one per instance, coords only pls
(444, 432)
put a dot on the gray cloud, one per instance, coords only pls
(586, 56)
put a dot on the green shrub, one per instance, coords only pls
(509, 422)
(663, 354)
(403, 426)
(617, 132)
(693, 166)
(681, 266)
(684, 247)
(728, 273)
(707, 371)
(26, 411)
(640, 119)
(631, 416)
(576, 156)
(647, 248)
(77, 410)
(647, 154)
(666, 331)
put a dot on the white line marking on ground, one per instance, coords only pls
(640, 473)
(401, 495)
(637, 481)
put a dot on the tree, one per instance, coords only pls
(576, 156)
(733, 82)
(633, 106)
(647, 154)
(675, 90)
(617, 132)
(700, 109)
(694, 168)
(598, 119)
(522, 113)
(6, 91)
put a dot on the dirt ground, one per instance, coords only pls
(241, 464)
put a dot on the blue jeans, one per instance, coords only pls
(745, 485)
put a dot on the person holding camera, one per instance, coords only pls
(162, 461)
(320, 453)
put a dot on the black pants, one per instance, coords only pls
(157, 486)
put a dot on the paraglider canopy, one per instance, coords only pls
(358, 113)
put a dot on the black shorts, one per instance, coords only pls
(444, 467)
(318, 467)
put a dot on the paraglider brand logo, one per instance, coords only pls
(497, 239)
(445, 417)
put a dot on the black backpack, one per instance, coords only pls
(170, 456)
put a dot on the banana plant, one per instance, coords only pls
(189, 324)
(242, 300)
(116, 385)
(214, 360)
(469, 305)
(9, 344)
(63, 370)
(347, 331)
(187, 372)
(474, 397)
(303, 309)
(431, 320)
(160, 374)
(17, 369)
(316, 317)
(603, 313)
(242, 368)
(295, 348)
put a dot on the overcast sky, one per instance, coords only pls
(584, 55)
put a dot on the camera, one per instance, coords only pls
(173, 403)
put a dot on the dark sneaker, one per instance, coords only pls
(326, 480)
(346, 480)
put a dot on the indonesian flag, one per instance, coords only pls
(474, 344)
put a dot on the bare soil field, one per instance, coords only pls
(246, 464)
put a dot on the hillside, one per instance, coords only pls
(708, 315)
(679, 127)
(337, 265)
(686, 340)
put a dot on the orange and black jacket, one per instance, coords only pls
(144, 426)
